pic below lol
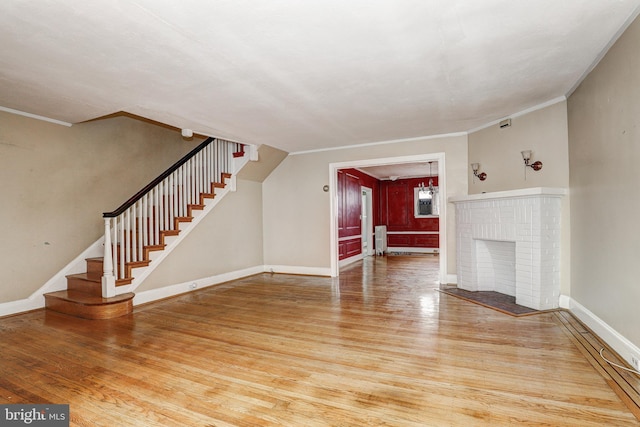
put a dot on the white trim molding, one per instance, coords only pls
(613, 338)
(520, 113)
(36, 301)
(57, 283)
(35, 116)
(605, 49)
(416, 232)
(390, 141)
(347, 238)
(451, 279)
(414, 250)
(293, 269)
(192, 285)
(351, 260)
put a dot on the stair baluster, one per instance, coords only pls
(141, 224)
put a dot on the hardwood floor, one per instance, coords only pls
(379, 347)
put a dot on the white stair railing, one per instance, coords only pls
(140, 225)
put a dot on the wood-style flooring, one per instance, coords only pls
(380, 346)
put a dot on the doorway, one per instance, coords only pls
(333, 193)
(367, 221)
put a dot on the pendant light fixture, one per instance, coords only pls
(432, 189)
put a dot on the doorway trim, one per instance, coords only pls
(366, 227)
(333, 201)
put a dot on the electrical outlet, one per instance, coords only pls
(635, 362)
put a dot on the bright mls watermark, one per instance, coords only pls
(34, 415)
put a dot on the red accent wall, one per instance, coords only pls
(373, 183)
(352, 205)
(397, 212)
(349, 192)
(393, 206)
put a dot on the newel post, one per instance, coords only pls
(108, 278)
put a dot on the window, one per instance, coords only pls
(426, 203)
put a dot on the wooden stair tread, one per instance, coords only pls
(87, 306)
(141, 263)
(125, 281)
(88, 299)
(83, 296)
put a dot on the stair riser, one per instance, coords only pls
(83, 297)
(95, 268)
(87, 286)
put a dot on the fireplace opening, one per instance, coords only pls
(496, 266)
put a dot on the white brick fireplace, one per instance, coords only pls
(509, 242)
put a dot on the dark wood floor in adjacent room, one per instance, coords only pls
(379, 347)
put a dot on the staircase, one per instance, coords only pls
(163, 209)
(83, 297)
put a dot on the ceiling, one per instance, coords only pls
(301, 75)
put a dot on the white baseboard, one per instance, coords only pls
(34, 302)
(564, 302)
(413, 250)
(290, 269)
(56, 283)
(350, 260)
(181, 288)
(59, 281)
(606, 333)
(451, 279)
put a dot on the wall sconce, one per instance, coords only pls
(526, 156)
(481, 176)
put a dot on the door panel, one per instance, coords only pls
(353, 205)
(397, 205)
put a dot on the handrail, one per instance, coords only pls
(126, 205)
(157, 212)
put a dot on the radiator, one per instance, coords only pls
(381, 239)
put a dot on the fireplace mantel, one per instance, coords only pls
(509, 242)
(525, 192)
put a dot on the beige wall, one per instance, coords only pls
(498, 150)
(296, 209)
(545, 132)
(268, 159)
(604, 154)
(56, 181)
(228, 239)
